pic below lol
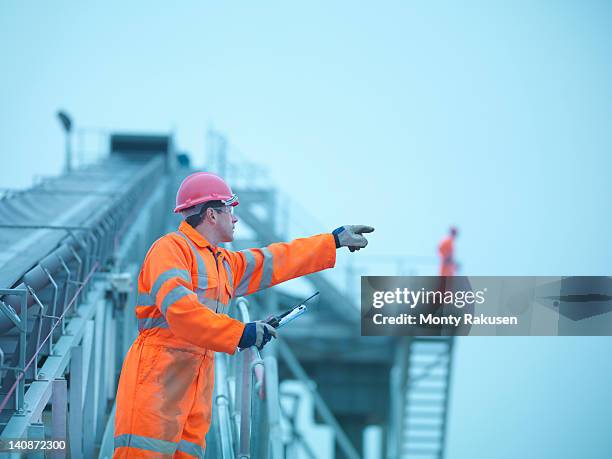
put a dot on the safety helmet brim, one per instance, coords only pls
(194, 210)
(232, 201)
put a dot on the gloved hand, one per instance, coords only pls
(351, 236)
(256, 334)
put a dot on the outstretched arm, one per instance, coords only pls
(257, 269)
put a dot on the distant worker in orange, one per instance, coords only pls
(448, 266)
(186, 283)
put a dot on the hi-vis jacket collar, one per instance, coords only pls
(192, 234)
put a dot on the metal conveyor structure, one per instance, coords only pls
(70, 251)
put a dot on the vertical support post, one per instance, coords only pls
(111, 354)
(23, 313)
(245, 405)
(393, 431)
(260, 432)
(68, 153)
(272, 400)
(75, 418)
(69, 282)
(101, 367)
(259, 429)
(222, 401)
(80, 271)
(398, 380)
(89, 408)
(36, 431)
(235, 407)
(447, 383)
(59, 408)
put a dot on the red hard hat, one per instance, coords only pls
(202, 187)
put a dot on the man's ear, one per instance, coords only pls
(210, 214)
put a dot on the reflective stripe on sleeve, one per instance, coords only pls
(243, 286)
(152, 322)
(268, 268)
(166, 276)
(146, 299)
(191, 448)
(146, 443)
(173, 296)
(209, 303)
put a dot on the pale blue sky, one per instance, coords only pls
(408, 116)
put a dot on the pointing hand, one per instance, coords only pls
(351, 236)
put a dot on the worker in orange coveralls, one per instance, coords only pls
(448, 266)
(164, 398)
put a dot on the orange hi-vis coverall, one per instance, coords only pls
(164, 398)
(447, 267)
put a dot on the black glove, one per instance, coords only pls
(256, 334)
(351, 236)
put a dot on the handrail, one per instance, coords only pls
(273, 405)
(294, 365)
(259, 415)
(242, 304)
(222, 404)
(247, 402)
(22, 373)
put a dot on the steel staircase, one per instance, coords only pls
(422, 382)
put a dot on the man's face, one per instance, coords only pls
(226, 221)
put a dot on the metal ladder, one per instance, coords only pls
(423, 384)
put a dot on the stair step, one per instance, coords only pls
(429, 353)
(416, 375)
(427, 390)
(431, 431)
(425, 383)
(421, 451)
(422, 440)
(419, 370)
(423, 416)
(425, 403)
(418, 426)
(426, 399)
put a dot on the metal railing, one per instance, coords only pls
(246, 415)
